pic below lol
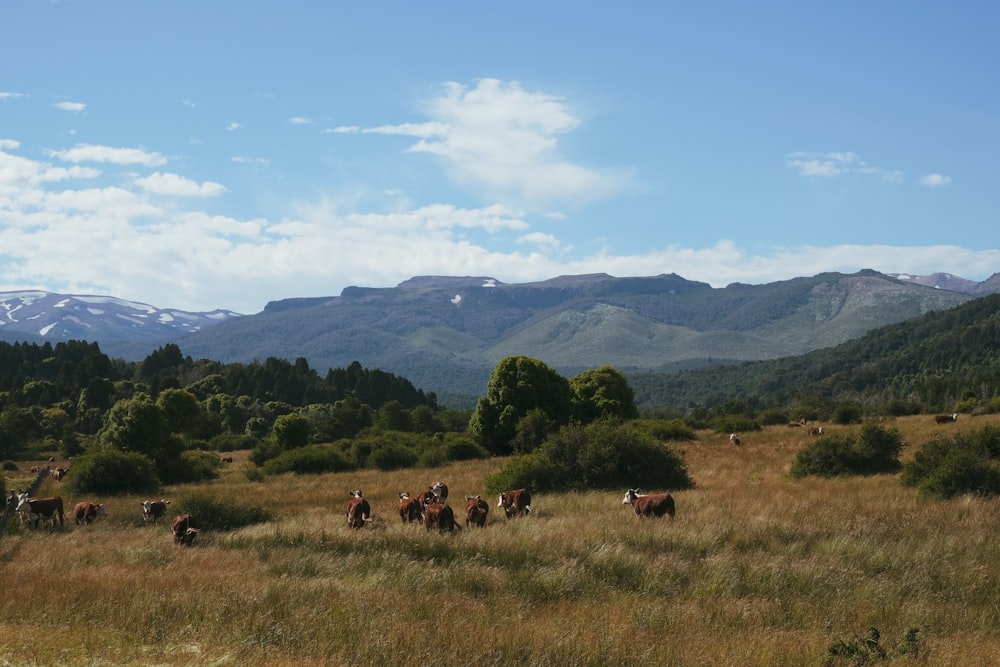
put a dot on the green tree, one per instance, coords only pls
(291, 431)
(139, 425)
(518, 385)
(182, 411)
(602, 393)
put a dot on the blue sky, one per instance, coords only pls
(204, 155)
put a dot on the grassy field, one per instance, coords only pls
(757, 569)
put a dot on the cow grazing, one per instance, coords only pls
(153, 510)
(440, 491)
(359, 512)
(944, 419)
(185, 529)
(733, 440)
(476, 510)
(88, 512)
(58, 474)
(36, 509)
(440, 516)
(410, 508)
(515, 503)
(815, 430)
(655, 504)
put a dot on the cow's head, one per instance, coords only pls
(630, 496)
(187, 539)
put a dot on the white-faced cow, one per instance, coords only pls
(88, 512)
(440, 516)
(185, 529)
(654, 504)
(476, 510)
(152, 510)
(944, 419)
(440, 491)
(36, 509)
(815, 430)
(359, 512)
(515, 503)
(733, 440)
(410, 508)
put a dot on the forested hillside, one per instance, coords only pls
(941, 360)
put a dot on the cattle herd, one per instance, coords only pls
(429, 508)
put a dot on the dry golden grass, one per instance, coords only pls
(757, 569)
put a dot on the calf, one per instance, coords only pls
(656, 504)
(410, 508)
(944, 419)
(88, 512)
(358, 510)
(440, 516)
(185, 529)
(35, 509)
(515, 503)
(476, 510)
(152, 510)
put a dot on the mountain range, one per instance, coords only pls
(445, 334)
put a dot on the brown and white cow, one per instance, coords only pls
(440, 516)
(654, 504)
(359, 512)
(410, 508)
(36, 509)
(88, 512)
(944, 419)
(815, 430)
(476, 510)
(58, 473)
(515, 503)
(152, 510)
(185, 529)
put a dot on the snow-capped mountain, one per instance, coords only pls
(56, 317)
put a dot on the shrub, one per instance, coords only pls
(313, 459)
(604, 454)
(846, 413)
(215, 514)
(948, 466)
(113, 471)
(664, 429)
(464, 449)
(773, 417)
(874, 449)
(9, 465)
(231, 442)
(391, 456)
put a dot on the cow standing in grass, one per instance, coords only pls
(185, 529)
(88, 512)
(410, 508)
(655, 505)
(476, 510)
(440, 516)
(359, 512)
(944, 419)
(515, 503)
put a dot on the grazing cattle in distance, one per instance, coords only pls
(515, 503)
(410, 508)
(815, 430)
(944, 419)
(440, 516)
(36, 509)
(733, 440)
(359, 512)
(152, 510)
(656, 504)
(440, 491)
(185, 529)
(88, 512)
(476, 510)
(227, 459)
(58, 474)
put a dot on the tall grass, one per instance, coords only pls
(757, 569)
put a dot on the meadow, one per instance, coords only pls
(756, 569)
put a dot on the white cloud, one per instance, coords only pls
(344, 129)
(829, 165)
(233, 125)
(254, 161)
(10, 96)
(94, 153)
(70, 106)
(300, 120)
(178, 186)
(503, 140)
(935, 180)
(9, 145)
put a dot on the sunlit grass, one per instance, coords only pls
(757, 569)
